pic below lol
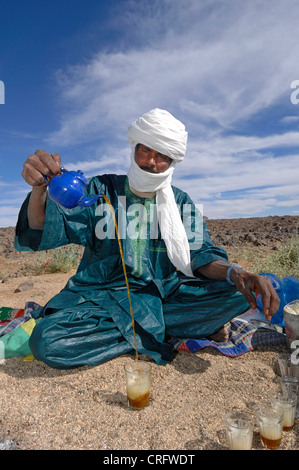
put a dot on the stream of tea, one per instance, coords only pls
(125, 271)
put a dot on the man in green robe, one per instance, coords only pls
(180, 284)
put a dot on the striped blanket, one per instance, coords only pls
(11, 318)
(243, 337)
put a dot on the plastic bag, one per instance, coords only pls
(287, 290)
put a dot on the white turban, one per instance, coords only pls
(160, 131)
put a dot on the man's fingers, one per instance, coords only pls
(32, 176)
(266, 300)
(51, 161)
(270, 298)
(249, 284)
(274, 300)
(250, 298)
(56, 158)
(34, 162)
(39, 164)
(244, 286)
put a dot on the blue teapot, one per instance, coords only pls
(67, 189)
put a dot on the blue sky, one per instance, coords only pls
(77, 73)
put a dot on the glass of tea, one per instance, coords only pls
(287, 366)
(291, 383)
(287, 400)
(269, 422)
(239, 430)
(138, 383)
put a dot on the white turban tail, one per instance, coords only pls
(160, 131)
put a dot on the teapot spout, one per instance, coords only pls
(88, 201)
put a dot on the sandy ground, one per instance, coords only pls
(86, 408)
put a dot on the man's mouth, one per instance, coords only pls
(148, 169)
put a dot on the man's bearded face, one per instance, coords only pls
(150, 160)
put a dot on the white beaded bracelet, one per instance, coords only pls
(231, 266)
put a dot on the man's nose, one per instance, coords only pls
(151, 159)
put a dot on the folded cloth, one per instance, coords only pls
(16, 333)
(15, 317)
(7, 314)
(243, 337)
(16, 342)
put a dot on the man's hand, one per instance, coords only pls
(39, 164)
(247, 283)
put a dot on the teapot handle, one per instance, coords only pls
(45, 178)
(62, 169)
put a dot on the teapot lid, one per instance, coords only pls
(77, 174)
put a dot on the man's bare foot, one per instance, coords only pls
(220, 336)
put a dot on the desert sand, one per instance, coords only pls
(86, 408)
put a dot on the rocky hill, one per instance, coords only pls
(260, 231)
(264, 232)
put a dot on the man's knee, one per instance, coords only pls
(36, 342)
(42, 345)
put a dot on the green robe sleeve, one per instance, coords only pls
(26, 239)
(208, 251)
(202, 249)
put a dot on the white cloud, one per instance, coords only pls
(288, 203)
(8, 221)
(214, 72)
(116, 160)
(220, 67)
(8, 216)
(232, 145)
(12, 197)
(290, 120)
(8, 210)
(243, 64)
